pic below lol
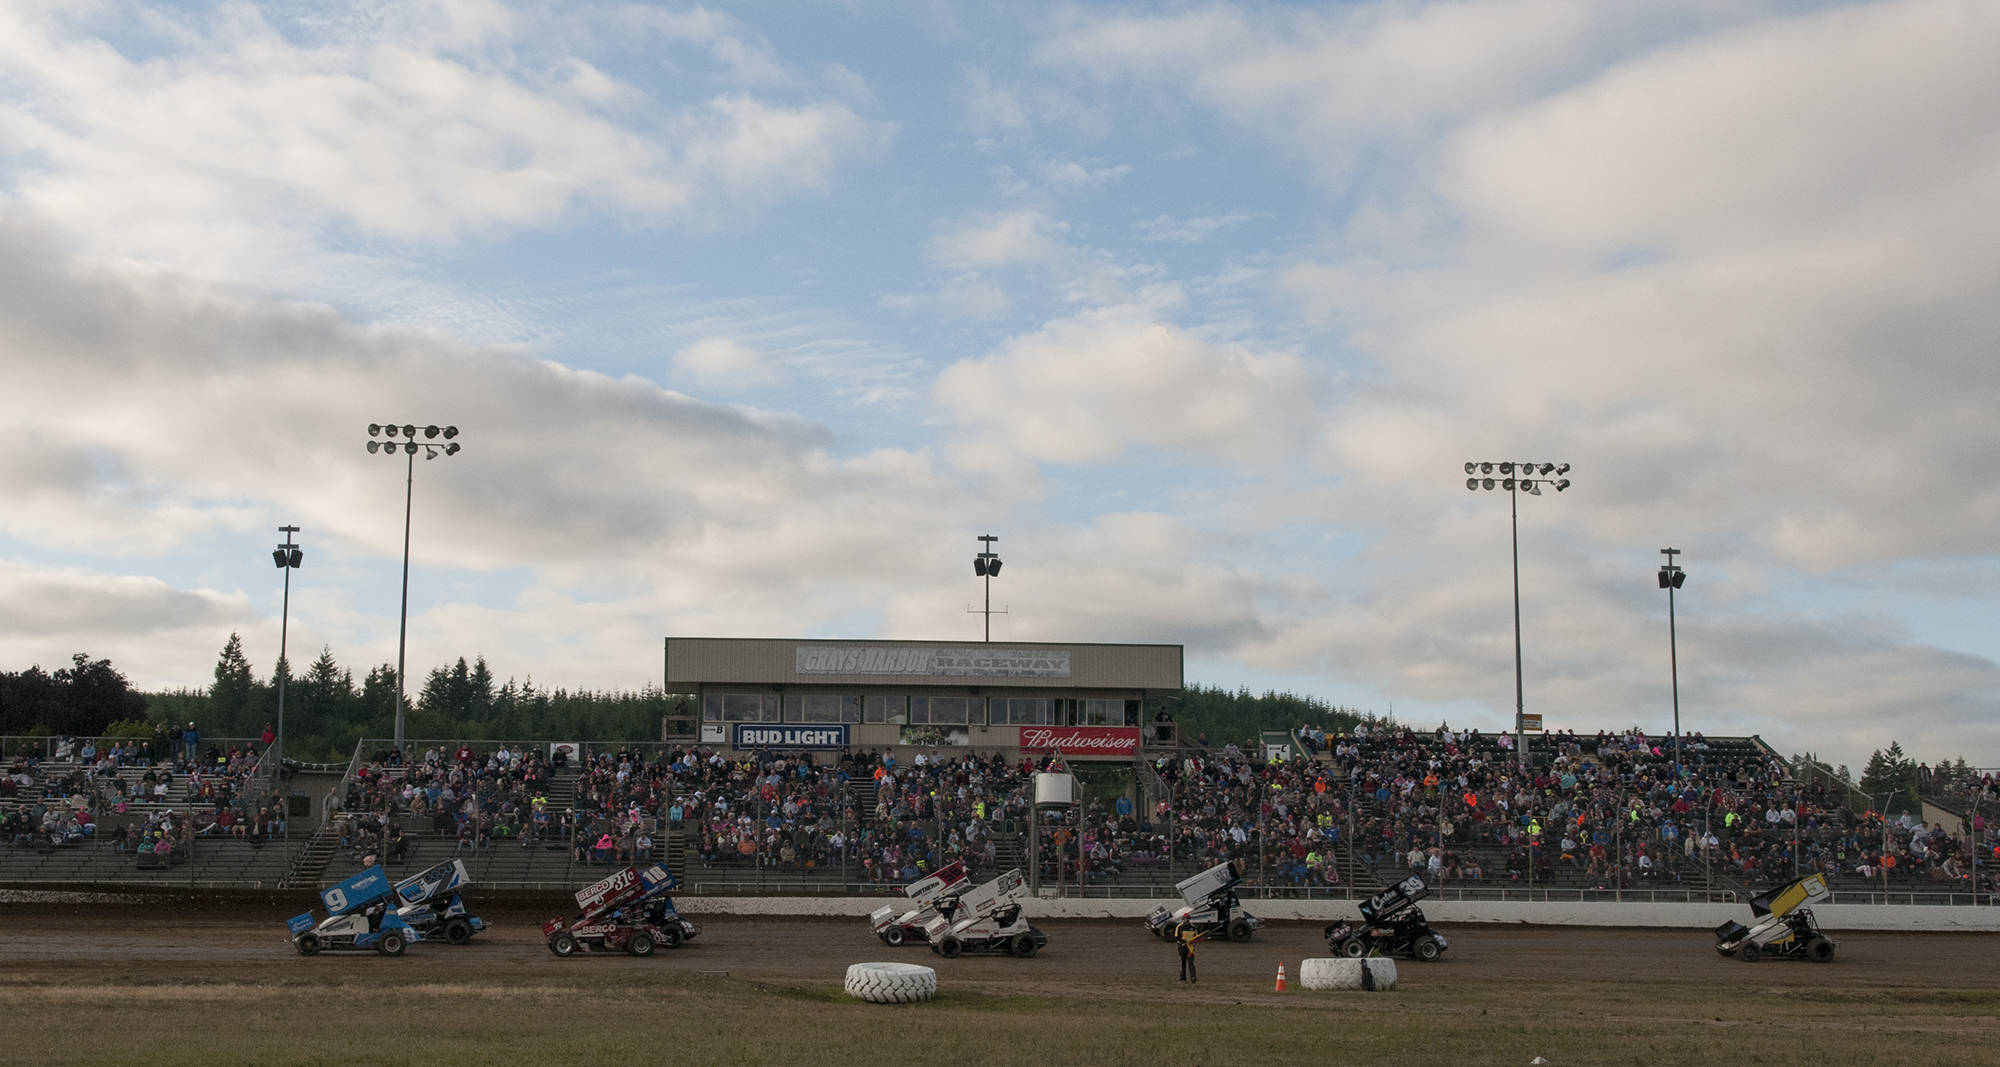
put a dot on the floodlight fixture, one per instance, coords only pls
(1672, 578)
(987, 565)
(432, 448)
(1518, 476)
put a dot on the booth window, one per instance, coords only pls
(822, 707)
(1024, 711)
(739, 707)
(942, 711)
(894, 710)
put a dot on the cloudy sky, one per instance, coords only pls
(754, 318)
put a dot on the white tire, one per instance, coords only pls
(891, 983)
(1319, 974)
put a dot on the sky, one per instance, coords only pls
(753, 318)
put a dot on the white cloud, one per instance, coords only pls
(1015, 238)
(1091, 387)
(235, 145)
(722, 361)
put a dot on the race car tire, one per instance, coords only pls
(1345, 973)
(950, 947)
(308, 944)
(1354, 948)
(563, 944)
(670, 936)
(1427, 950)
(641, 944)
(893, 936)
(1820, 951)
(891, 983)
(457, 931)
(1239, 929)
(1021, 945)
(1750, 953)
(391, 944)
(1724, 952)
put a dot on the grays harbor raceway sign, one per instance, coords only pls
(1085, 742)
(922, 662)
(750, 735)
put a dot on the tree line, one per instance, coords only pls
(326, 709)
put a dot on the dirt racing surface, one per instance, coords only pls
(176, 942)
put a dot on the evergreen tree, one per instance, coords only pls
(1891, 777)
(92, 695)
(232, 697)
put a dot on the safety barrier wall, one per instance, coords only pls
(1834, 917)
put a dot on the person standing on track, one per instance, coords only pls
(1185, 935)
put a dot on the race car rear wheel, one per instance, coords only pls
(641, 944)
(670, 936)
(1428, 950)
(950, 947)
(458, 931)
(391, 944)
(563, 944)
(308, 944)
(893, 936)
(1022, 945)
(1750, 953)
(1820, 951)
(1239, 929)
(1353, 948)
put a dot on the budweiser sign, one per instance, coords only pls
(1081, 741)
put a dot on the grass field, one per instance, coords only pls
(678, 1018)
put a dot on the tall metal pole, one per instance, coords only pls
(403, 619)
(1516, 478)
(1520, 703)
(284, 556)
(1670, 577)
(986, 565)
(438, 441)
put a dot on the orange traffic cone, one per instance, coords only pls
(1281, 979)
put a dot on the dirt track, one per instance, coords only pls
(1089, 958)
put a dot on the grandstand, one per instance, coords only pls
(1587, 817)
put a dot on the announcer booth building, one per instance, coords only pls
(1020, 698)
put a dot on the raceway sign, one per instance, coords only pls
(1082, 741)
(789, 735)
(933, 662)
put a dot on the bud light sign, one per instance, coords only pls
(789, 735)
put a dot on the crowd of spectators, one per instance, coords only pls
(1604, 810)
(481, 798)
(149, 798)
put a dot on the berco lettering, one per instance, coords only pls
(933, 662)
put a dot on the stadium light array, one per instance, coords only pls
(409, 446)
(1515, 478)
(1672, 578)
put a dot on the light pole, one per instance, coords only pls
(1672, 578)
(1517, 478)
(287, 556)
(409, 446)
(987, 565)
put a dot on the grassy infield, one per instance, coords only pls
(694, 1020)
